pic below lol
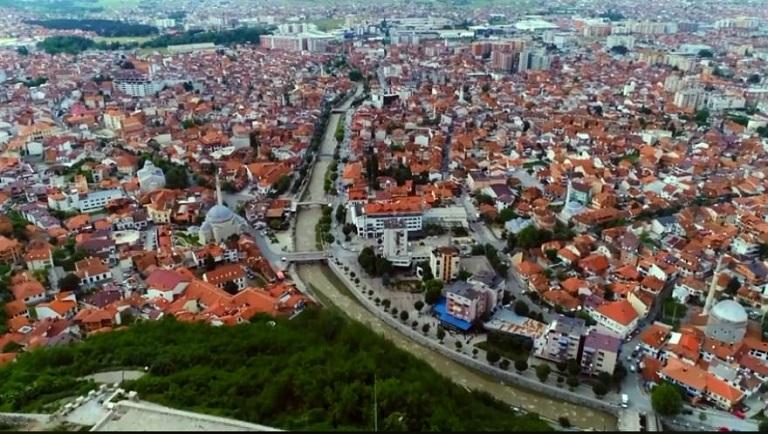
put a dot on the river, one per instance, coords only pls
(321, 278)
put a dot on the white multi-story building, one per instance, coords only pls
(83, 202)
(395, 243)
(369, 219)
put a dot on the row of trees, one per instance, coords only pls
(70, 44)
(101, 27)
(315, 372)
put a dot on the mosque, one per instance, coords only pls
(220, 222)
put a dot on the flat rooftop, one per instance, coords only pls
(144, 416)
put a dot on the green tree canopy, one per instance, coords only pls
(666, 399)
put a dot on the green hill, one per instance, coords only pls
(314, 372)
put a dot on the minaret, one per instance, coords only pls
(712, 285)
(569, 191)
(219, 199)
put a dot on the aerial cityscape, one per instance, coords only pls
(453, 215)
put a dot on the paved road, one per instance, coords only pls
(318, 276)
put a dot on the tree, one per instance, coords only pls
(504, 364)
(418, 305)
(23, 51)
(404, 316)
(705, 53)
(572, 381)
(619, 49)
(458, 345)
(492, 357)
(341, 215)
(600, 389)
(521, 365)
(425, 328)
(210, 262)
(70, 282)
(564, 422)
(474, 353)
(604, 378)
(355, 75)
(761, 427)
(562, 366)
(702, 117)
(542, 371)
(434, 290)
(666, 399)
(521, 308)
(281, 185)
(754, 78)
(440, 334)
(733, 285)
(573, 367)
(231, 287)
(367, 259)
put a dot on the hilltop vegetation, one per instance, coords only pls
(314, 372)
(109, 28)
(78, 44)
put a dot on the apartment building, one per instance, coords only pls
(444, 262)
(561, 340)
(600, 353)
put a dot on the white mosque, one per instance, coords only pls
(220, 222)
(572, 207)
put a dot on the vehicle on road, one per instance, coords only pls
(723, 429)
(624, 400)
(284, 259)
(740, 414)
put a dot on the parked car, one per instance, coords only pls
(740, 414)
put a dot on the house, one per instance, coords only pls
(653, 340)
(29, 291)
(688, 287)
(92, 319)
(166, 284)
(224, 274)
(561, 340)
(10, 250)
(92, 271)
(594, 264)
(618, 318)
(698, 383)
(600, 353)
(39, 256)
(63, 306)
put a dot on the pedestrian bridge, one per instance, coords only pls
(311, 203)
(312, 256)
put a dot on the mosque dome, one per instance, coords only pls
(219, 214)
(730, 311)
